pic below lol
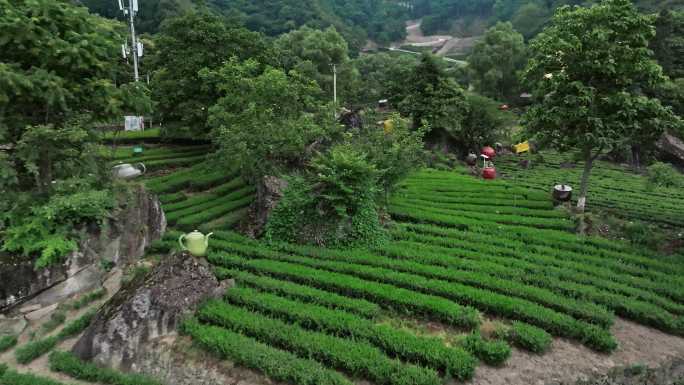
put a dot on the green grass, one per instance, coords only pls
(146, 134)
(11, 377)
(7, 342)
(34, 349)
(57, 318)
(88, 298)
(67, 363)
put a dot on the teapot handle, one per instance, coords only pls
(206, 239)
(180, 241)
(144, 169)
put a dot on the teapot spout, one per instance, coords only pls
(206, 239)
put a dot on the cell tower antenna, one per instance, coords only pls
(136, 47)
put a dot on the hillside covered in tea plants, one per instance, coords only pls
(320, 192)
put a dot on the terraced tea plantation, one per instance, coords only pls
(611, 188)
(463, 252)
(193, 195)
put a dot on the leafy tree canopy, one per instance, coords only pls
(56, 62)
(188, 44)
(312, 53)
(267, 119)
(586, 72)
(434, 99)
(496, 61)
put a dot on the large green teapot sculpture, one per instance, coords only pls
(196, 243)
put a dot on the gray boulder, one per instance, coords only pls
(146, 309)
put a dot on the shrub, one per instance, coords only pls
(7, 342)
(276, 364)
(34, 349)
(13, 378)
(46, 229)
(3, 369)
(334, 206)
(71, 365)
(57, 318)
(494, 352)
(529, 337)
(663, 175)
(88, 298)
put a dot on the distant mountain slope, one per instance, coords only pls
(528, 16)
(357, 20)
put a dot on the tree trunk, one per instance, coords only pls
(584, 184)
(45, 173)
(636, 157)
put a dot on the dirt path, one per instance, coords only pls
(568, 362)
(40, 366)
(444, 44)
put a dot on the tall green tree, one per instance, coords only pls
(313, 52)
(186, 45)
(586, 71)
(383, 76)
(267, 119)
(56, 64)
(496, 62)
(434, 99)
(668, 43)
(530, 19)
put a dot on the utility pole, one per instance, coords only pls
(136, 46)
(334, 84)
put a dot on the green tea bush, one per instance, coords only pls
(166, 199)
(494, 303)
(3, 369)
(214, 212)
(13, 378)
(529, 337)
(212, 206)
(430, 352)
(7, 342)
(663, 175)
(71, 365)
(494, 352)
(354, 357)
(388, 296)
(276, 364)
(301, 292)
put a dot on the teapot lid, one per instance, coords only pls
(195, 234)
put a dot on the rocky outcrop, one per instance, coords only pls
(149, 308)
(672, 148)
(269, 193)
(131, 228)
(669, 373)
